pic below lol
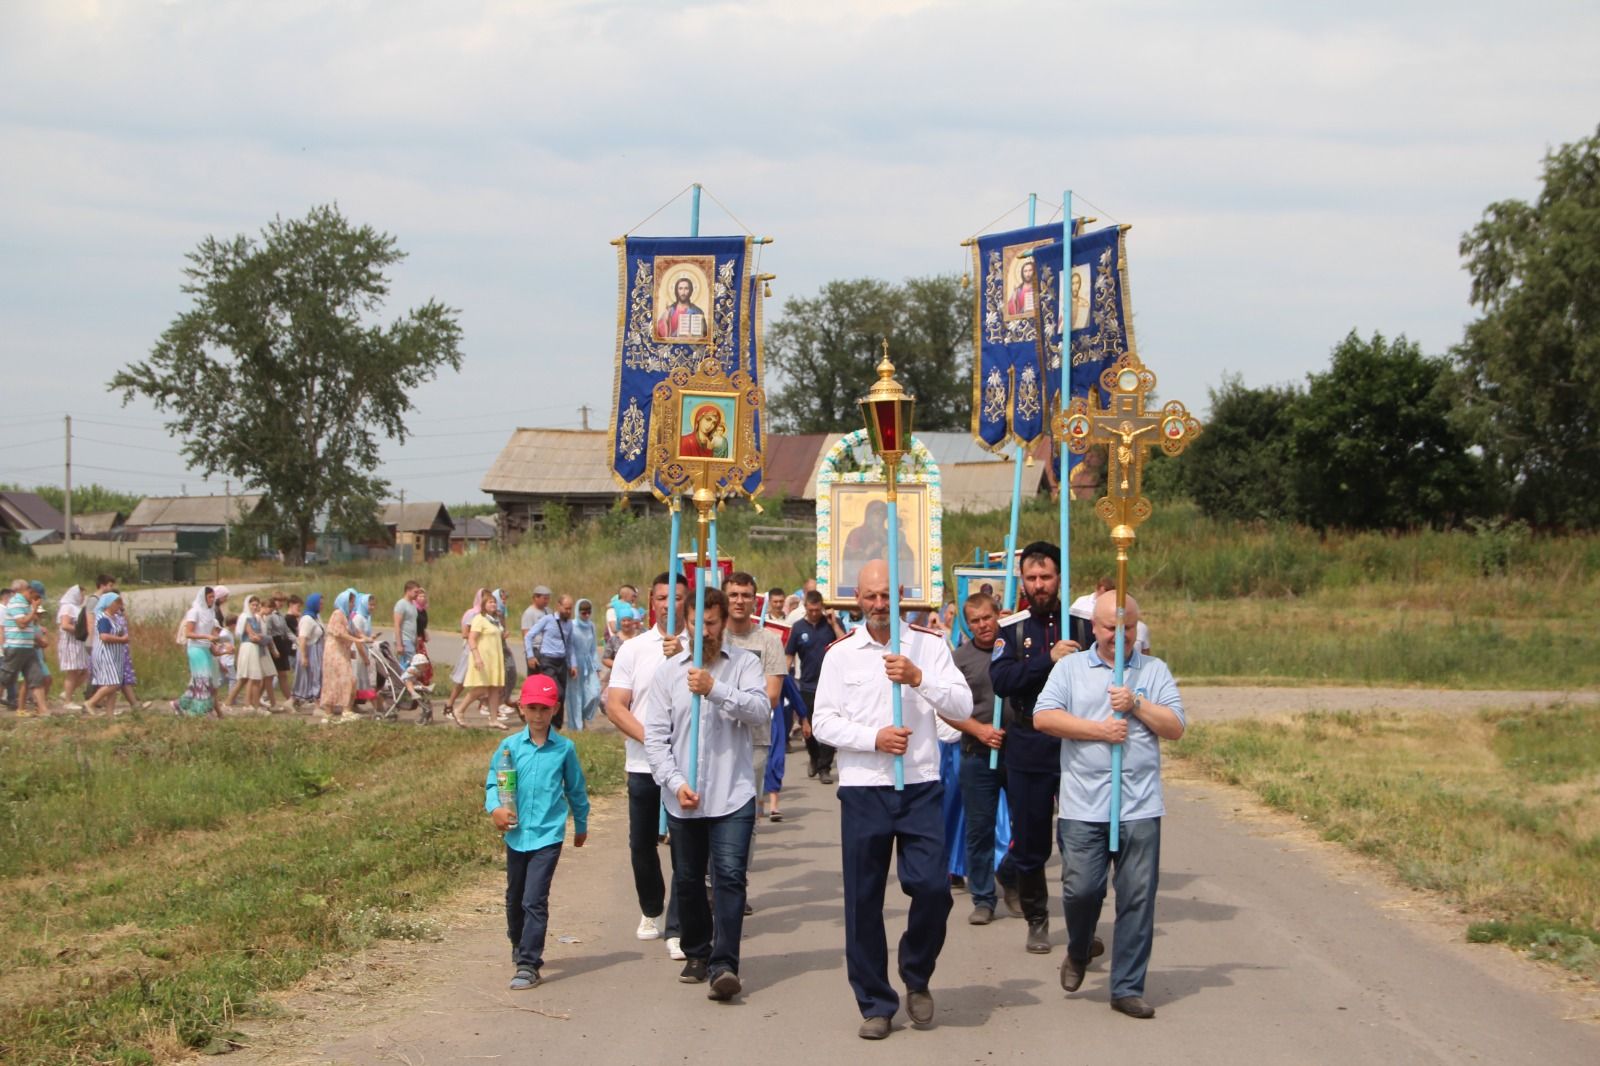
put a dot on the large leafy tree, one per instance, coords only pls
(1532, 362)
(1240, 467)
(281, 373)
(825, 348)
(1375, 444)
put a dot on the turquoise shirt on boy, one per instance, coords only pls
(549, 781)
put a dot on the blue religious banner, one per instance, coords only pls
(680, 300)
(1008, 371)
(1101, 312)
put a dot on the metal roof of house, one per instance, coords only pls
(193, 510)
(419, 517)
(28, 510)
(474, 528)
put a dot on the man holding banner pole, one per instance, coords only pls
(876, 819)
(629, 706)
(1031, 644)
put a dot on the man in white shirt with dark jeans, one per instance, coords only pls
(712, 818)
(853, 713)
(629, 705)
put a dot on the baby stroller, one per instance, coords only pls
(396, 686)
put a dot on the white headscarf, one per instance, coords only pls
(245, 614)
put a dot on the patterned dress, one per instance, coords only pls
(338, 680)
(112, 664)
(71, 653)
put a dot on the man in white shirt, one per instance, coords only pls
(710, 799)
(629, 705)
(853, 713)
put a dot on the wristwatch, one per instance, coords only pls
(1138, 701)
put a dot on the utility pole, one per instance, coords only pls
(399, 526)
(584, 413)
(227, 515)
(67, 533)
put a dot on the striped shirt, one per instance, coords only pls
(18, 634)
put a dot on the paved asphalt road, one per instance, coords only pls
(1270, 948)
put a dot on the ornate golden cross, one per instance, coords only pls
(1128, 430)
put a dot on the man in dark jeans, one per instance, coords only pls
(549, 644)
(808, 641)
(629, 706)
(981, 785)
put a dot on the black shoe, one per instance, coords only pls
(693, 972)
(919, 1008)
(1013, 899)
(1072, 972)
(958, 883)
(1133, 1007)
(825, 776)
(724, 986)
(748, 910)
(1039, 937)
(811, 771)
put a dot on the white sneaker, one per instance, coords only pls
(675, 949)
(483, 710)
(648, 929)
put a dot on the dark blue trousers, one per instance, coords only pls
(1032, 798)
(528, 876)
(873, 823)
(720, 846)
(980, 793)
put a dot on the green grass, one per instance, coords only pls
(1498, 812)
(158, 875)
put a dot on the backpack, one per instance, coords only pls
(80, 625)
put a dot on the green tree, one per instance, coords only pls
(1240, 467)
(1375, 444)
(825, 348)
(1532, 362)
(281, 374)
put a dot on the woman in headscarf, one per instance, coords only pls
(361, 624)
(338, 679)
(112, 665)
(308, 661)
(458, 675)
(254, 662)
(583, 687)
(72, 656)
(199, 627)
(486, 667)
(510, 692)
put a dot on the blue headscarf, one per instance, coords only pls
(105, 601)
(314, 604)
(500, 602)
(363, 605)
(341, 602)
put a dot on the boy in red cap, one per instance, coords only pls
(542, 781)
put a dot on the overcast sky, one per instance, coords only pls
(1290, 174)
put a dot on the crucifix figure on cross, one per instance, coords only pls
(1128, 431)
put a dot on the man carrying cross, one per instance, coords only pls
(1077, 706)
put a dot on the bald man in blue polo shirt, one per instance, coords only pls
(1080, 705)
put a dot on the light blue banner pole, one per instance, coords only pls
(1011, 537)
(894, 625)
(1116, 749)
(699, 659)
(694, 211)
(714, 578)
(1064, 480)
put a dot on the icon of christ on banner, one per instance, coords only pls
(1022, 286)
(683, 287)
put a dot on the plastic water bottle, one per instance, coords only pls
(505, 779)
